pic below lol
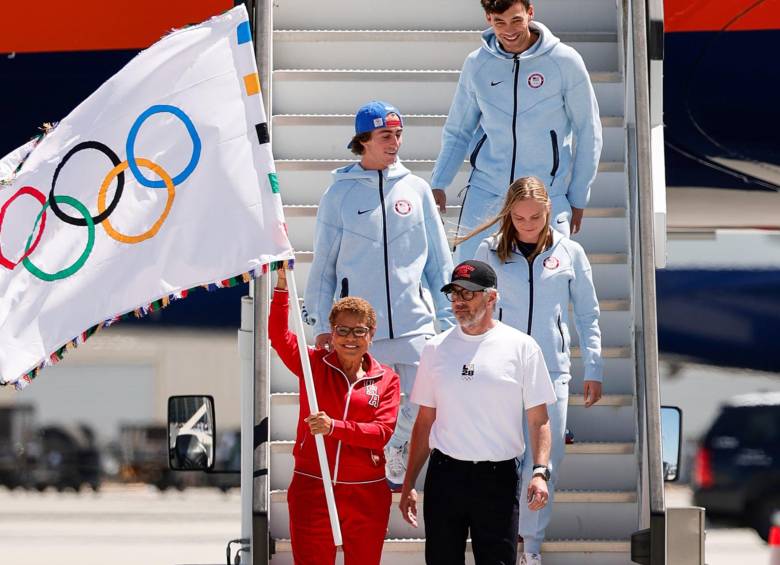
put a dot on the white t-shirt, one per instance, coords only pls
(480, 386)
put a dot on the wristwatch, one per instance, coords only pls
(542, 471)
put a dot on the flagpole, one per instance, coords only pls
(313, 408)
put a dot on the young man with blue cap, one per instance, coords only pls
(524, 107)
(379, 236)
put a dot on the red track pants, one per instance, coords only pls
(364, 510)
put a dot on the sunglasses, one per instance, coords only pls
(357, 331)
(462, 293)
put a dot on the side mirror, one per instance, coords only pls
(671, 438)
(191, 433)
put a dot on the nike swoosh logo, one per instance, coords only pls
(561, 221)
(360, 212)
(495, 83)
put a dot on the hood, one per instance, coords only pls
(354, 171)
(557, 238)
(544, 44)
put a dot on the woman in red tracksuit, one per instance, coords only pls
(358, 400)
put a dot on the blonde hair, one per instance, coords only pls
(525, 188)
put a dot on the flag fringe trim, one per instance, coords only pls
(141, 312)
(46, 129)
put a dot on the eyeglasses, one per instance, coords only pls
(357, 331)
(462, 293)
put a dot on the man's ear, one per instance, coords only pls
(530, 12)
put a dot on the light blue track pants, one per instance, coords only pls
(534, 523)
(403, 356)
(480, 205)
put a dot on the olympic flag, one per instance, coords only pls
(161, 181)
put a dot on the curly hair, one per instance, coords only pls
(356, 146)
(353, 305)
(501, 6)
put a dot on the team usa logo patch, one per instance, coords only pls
(468, 371)
(536, 80)
(551, 263)
(403, 207)
(373, 395)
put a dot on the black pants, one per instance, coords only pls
(462, 496)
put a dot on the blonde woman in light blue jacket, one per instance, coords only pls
(540, 272)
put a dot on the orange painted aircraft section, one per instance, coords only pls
(717, 15)
(95, 25)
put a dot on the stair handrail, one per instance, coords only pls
(641, 47)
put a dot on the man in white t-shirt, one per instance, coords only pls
(472, 386)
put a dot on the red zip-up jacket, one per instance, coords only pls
(363, 413)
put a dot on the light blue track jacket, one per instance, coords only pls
(539, 305)
(529, 109)
(379, 236)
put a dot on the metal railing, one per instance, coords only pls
(642, 46)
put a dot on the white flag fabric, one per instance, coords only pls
(161, 181)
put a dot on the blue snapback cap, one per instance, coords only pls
(374, 115)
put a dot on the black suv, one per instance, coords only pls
(737, 469)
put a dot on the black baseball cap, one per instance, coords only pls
(472, 275)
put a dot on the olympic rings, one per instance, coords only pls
(119, 186)
(130, 146)
(68, 271)
(151, 232)
(38, 195)
(53, 201)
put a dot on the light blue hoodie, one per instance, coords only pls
(538, 103)
(539, 305)
(379, 236)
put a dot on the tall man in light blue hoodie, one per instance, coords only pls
(525, 106)
(378, 236)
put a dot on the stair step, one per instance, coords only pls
(612, 419)
(410, 49)
(610, 273)
(342, 91)
(618, 376)
(603, 230)
(556, 552)
(588, 465)
(326, 136)
(303, 181)
(592, 15)
(577, 514)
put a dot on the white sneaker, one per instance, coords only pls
(395, 466)
(530, 559)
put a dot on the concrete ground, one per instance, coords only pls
(124, 525)
(121, 525)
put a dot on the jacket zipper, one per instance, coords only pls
(530, 293)
(560, 329)
(514, 121)
(556, 157)
(500, 314)
(387, 260)
(350, 388)
(477, 148)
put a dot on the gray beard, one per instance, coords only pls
(470, 321)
